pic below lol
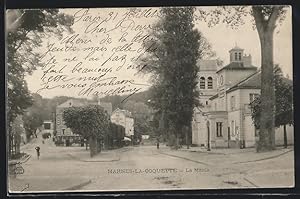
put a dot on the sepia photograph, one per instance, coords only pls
(149, 98)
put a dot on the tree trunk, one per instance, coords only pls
(99, 145)
(93, 147)
(265, 28)
(187, 136)
(267, 121)
(187, 140)
(176, 140)
(9, 144)
(178, 133)
(284, 136)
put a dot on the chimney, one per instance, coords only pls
(247, 59)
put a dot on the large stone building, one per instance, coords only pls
(225, 120)
(62, 132)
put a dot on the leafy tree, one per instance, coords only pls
(15, 136)
(116, 101)
(178, 46)
(89, 121)
(115, 136)
(284, 104)
(141, 114)
(34, 116)
(23, 38)
(266, 19)
(22, 57)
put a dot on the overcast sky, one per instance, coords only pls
(221, 37)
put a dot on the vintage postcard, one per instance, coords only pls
(149, 98)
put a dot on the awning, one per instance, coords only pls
(127, 139)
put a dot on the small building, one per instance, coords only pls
(225, 120)
(125, 119)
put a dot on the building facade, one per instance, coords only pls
(63, 133)
(225, 120)
(125, 119)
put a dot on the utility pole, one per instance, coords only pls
(208, 136)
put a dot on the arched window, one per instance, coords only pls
(240, 56)
(236, 56)
(209, 83)
(202, 83)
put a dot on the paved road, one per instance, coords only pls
(145, 167)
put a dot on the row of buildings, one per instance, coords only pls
(224, 120)
(118, 116)
(226, 93)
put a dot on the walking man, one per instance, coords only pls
(38, 151)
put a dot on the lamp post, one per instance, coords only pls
(208, 136)
(54, 120)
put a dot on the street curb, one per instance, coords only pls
(21, 160)
(267, 158)
(184, 158)
(125, 149)
(112, 160)
(211, 152)
(215, 153)
(76, 187)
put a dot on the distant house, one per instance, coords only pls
(125, 119)
(225, 93)
(107, 106)
(48, 126)
(62, 132)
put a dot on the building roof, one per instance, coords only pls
(237, 66)
(207, 65)
(47, 121)
(71, 103)
(214, 96)
(251, 82)
(126, 112)
(236, 48)
(107, 106)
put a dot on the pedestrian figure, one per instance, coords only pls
(38, 151)
(157, 144)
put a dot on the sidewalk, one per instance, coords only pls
(104, 156)
(224, 155)
(28, 149)
(281, 178)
